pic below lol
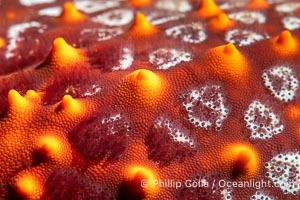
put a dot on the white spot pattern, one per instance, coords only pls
(102, 33)
(282, 82)
(174, 5)
(161, 17)
(232, 5)
(126, 60)
(14, 35)
(243, 37)
(287, 7)
(248, 17)
(260, 196)
(291, 23)
(284, 171)
(164, 58)
(116, 121)
(206, 106)
(180, 135)
(190, 33)
(226, 194)
(94, 90)
(263, 122)
(34, 2)
(89, 6)
(117, 17)
(51, 11)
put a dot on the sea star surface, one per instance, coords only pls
(145, 99)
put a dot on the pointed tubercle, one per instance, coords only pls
(70, 14)
(207, 9)
(141, 26)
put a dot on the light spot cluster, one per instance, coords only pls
(34, 2)
(178, 135)
(288, 7)
(248, 17)
(284, 170)
(206, 106)
(125, 61)
(169, 141)
(282, 82)
(177, 5)
(100, 33)
(95, 89)
(243, 37)
(260, 196)
(88, 6)
(208, 188)
(102, 137)
(232, 4)
(15, 35)
(117, 17)
(262, 120)
(291, 22)
(51, 11)
(190, 33)
(164, 58)
(161, 17)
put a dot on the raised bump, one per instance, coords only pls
(139, 183)
(28, 187)
(258, 4)
(2, 42)
(220, 23)
(141, 88)
(141, 26)
(53, 149)
(63, 54)
(68, 104)
(293, 111)
(229, 64)
(32, 95)
(140, 3)
(284, 45)
(10, 15)
(15, 99)
(242, 160)
(70, 14)
(207, 9)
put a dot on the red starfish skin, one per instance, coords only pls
(139, 99)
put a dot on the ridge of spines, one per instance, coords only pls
(15, 99)
(17, 103)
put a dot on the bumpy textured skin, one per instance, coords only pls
(91, 107)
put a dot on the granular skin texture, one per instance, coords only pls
(149, 99)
